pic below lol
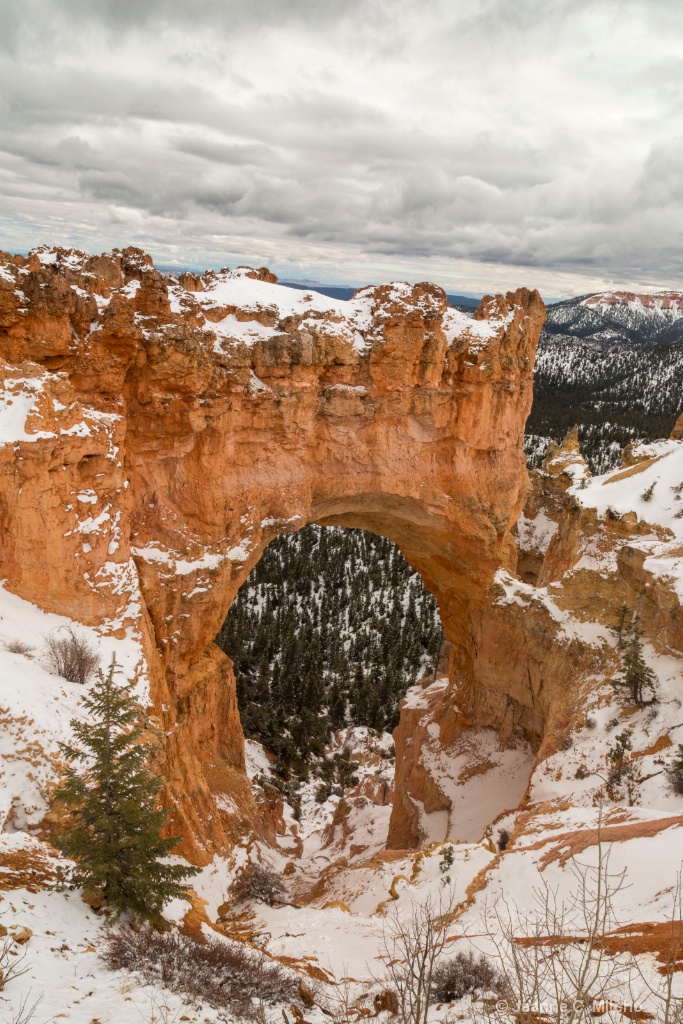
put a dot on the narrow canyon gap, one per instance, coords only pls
(176, 426)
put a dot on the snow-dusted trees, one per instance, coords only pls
(635, 676)
(330, 629)
(675, 771)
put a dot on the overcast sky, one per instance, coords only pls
(482, 144)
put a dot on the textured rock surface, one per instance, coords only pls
(541, 649)
(157, 434)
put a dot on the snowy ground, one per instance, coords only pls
(343, 883)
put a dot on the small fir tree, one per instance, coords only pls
(114, 826)
(675, 771)
(623, 617)
(635, 674)
(618, 753)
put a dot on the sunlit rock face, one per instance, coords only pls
(156, 433)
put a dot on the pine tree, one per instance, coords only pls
(675, 771)
(623, 616)
(618, 753)
(636, 675)
(114, 827)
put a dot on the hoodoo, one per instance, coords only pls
(159, 432)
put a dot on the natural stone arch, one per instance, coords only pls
(395, 414)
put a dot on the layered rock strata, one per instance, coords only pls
(156, 433)
(543, 643)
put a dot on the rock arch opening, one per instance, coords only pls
(326, 635)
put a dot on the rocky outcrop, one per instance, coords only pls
(156, 434)
(542, 648)
(677, 432)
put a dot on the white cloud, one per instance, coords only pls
(483, 144)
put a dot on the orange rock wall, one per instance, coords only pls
(190, 449)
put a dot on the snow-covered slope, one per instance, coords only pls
(601, 540)
(620, 317)
(613, 364)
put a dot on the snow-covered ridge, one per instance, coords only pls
(657, 301)
(652, 492)
(255, 309)
(619, 316)
(244, 306)
(610, 363)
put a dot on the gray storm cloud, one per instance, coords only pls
(482, 143)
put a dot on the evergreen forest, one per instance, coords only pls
(329, 630)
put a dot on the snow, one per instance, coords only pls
(246, 293)
(457, 324)
(622, 490)
(36, 706)
(47, 258)
(131, 289)
(663, 304)
(515, 591)
(350, 319)
(421, 696)
(66, 974)
(652, 490)
(481, 778)
(477, 776)
(178, 565)
(535, 534)
(239, 552)
(482, 781)
(249, 331)
(17, 401)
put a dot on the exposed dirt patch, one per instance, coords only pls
(24, 869)
(569, 844)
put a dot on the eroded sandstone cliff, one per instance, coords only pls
(542, 649)
(157, 433)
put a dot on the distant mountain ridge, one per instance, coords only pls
(612, 363)
(620, 316)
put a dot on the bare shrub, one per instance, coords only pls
(19, 647)
(158, 1012)
(411, 947)
(503, 839)
(71, 655)
(660, 987)
(257, 883)
(554, 954)
(12, 961)
(25, 1011)
(225, 974)
(464, 974)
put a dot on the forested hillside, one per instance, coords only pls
(330, 629)
(613, 365)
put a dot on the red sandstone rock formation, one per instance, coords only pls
(156, 434)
